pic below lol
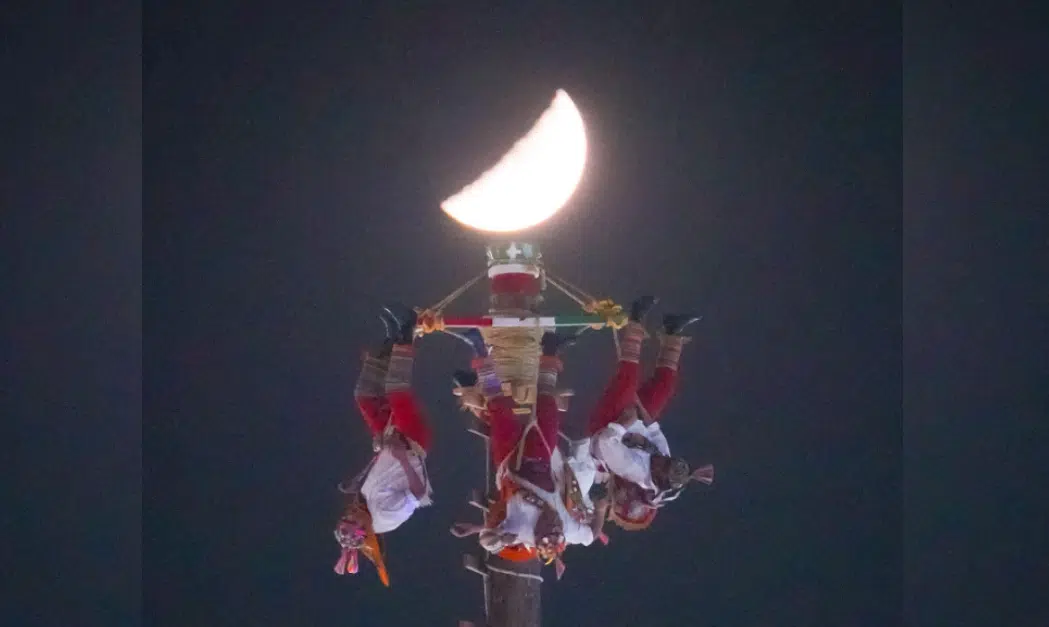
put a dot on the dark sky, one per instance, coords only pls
(204, 209)
(745, 164)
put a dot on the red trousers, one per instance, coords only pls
(620, 394)
(506, 429)
(403, 409)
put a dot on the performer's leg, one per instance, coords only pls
(369, 393)
(547, 414)
(621, 391)
(406, 411)
(657, 391)
(504, 429)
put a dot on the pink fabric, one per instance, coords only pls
(347, 564)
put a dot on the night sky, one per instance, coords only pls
(745, 165)
(288, 160)
(204, 208)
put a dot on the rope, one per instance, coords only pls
(430, 319)
(503, 571)
(447, 300)
(578, 290)
(583, 301)
(515, 351)
(606, 308)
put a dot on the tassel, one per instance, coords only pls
(704, 474)
(340, 566)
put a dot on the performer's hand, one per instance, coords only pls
(463, 530)
(635, 440)
(507, 537)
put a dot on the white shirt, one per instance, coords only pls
(521, 516)
(388, 493)
(631, 464)
(583, 466)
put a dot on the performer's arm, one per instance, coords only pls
(465, 530)
(600, 514)
(614, 452)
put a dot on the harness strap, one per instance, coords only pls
(518, 452)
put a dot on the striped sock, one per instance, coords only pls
(670, 351)
(630, 342)
(373, 374)
(549, 367)
(399, 375)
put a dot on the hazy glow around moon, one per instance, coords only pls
(533, 180)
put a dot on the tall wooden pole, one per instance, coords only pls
(513, 593)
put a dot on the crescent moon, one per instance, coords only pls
(533, 180)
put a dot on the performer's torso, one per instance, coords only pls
(388, 493)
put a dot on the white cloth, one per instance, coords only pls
(522, 516)
(388, 493)
(631, 464)
(582, 463)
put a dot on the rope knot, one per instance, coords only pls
(609, 310)
(430, 320)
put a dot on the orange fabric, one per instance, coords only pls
(371, 549)
(619, 511)
(518, 553)
(497, 514)
(637, 524)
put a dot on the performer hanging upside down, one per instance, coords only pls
(532, 517)
(395, 483)
(629, 444)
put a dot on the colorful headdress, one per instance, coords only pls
(354, 533)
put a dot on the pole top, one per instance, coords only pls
(514, 252)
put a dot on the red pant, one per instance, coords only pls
(403, 409)
(506, 429)
(622, 389)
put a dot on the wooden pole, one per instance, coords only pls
(513, 590)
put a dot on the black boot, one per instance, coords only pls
(554, 342)
(390, 324)
(464, 378)
(674, 324)
(640, 307)
(404, 318)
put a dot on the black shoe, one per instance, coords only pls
(554, 342)
(640, 308)
(464, 378)
(405, 319)
(390, 324)
(674, 324)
